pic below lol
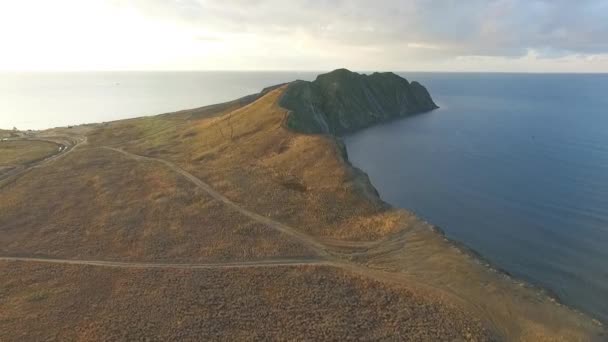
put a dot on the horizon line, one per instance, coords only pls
(294, 70)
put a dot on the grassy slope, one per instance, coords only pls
(321, 303)
(23, 152)
(298, 179)
(96, 203)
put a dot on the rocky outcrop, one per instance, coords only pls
(342, 101)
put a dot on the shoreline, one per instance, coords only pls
(461, 246)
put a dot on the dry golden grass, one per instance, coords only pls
(21, 152)
(286, 303)
(98, 204)
(251, 158)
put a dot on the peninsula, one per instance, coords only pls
(243, 221)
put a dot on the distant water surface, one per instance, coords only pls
(45, 100)
(513, 165)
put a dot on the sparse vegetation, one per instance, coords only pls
(287, 303)
(37, 296)
(96, 203)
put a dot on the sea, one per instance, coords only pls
(515, 166)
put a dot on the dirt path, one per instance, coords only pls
(333, 252)
(329, 251)
(309, 241)
(63, 149)
(119, 264)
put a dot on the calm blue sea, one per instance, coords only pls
(513, 165)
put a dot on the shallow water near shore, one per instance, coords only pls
(515, 166)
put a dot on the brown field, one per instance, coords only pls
(262, 165)
(230, 184)
(255, 303)
(5, 133)
(99, 204)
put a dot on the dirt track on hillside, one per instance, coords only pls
(116, 264)
(307, 240)
(64, 148)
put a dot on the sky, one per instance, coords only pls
(397, 35)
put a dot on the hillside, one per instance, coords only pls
(224, 222)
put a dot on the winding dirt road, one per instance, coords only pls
(329, 252)
(120, 264)
(65, 146)
(326, 252)
(310, 242)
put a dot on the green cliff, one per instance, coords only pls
(342, 101)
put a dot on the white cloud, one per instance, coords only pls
(423, 46)
(316, 35)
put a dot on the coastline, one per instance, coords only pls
(477, 257)
(369, 191)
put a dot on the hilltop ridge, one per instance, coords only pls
(342, 101)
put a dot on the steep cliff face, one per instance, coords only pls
(342, 101)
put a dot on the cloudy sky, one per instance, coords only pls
(442, 35)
